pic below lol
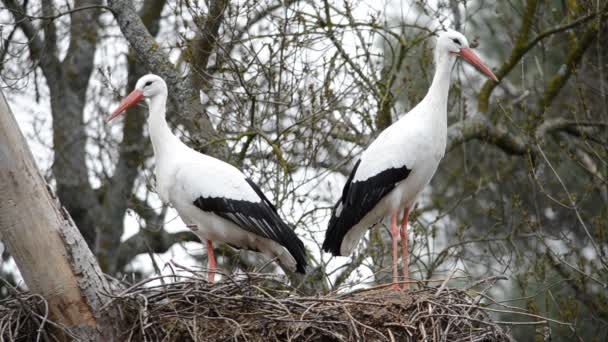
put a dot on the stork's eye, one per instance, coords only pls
(147, 83)
(455, 40)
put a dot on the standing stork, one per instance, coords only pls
(215, 200)
(395, 168)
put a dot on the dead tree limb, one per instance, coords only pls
(47, 247)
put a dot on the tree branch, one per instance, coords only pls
(134, 142)
(5, 47)
(48, 15)
(147, 213)
(155, 241)
(480, 128)
(569, 126)
(204, 43)
(50, 34)
(522, 47)
(331, 35)
(131, 150)
(182, 97)
(68, 90)
(45, 244)
(516, 54)
(562, 28)
(39, 51)
(579, 289)
(240, 32)
(354, 264)
(572, 61)
(68, 82)
(83, 40)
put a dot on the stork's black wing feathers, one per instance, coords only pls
(260, 218)
(358, 199)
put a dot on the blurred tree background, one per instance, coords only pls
(291, 92)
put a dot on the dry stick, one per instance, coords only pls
(347, 301)
(273, 298)
(406, 282)
(492, 323)
(363, 325)
(238, 326)
(432, 321)
(445, 282)
(307, 310)
(390, 333)
(486, 280)
(352, 322)
(401, 325)
(423, 331)
(44, 318)
(516, 312)
(231, 301)
(46, 314)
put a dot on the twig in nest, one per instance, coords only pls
(261, 307)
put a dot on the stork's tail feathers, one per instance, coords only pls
(292, 243)
(335, 232)
(299, 253)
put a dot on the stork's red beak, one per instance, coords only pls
(131, 99)
(471, 57)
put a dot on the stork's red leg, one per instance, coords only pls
(404, 254)
(212, 264)
(394, 234)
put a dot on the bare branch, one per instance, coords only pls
(183, 98)
(560, 124)
(46, 5)
(522, 47)
(68, 88)
(572, 61)
(204, 43)
(480, 128)
(134, 143)
(50, 32)
(155, 241)
(331, 35)
(39, 51)
(261, 15)
(131, 152)
(580, 290)
(516, 54)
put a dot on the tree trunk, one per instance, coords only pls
(47, 247)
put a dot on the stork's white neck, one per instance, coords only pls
(440, 87)
(163, 140)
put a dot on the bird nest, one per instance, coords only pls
(261, 307)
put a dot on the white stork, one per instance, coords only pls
(395, 168)
(215, 200)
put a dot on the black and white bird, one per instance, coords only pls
(394, 169)
(216, 200)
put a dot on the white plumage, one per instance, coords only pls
(216, 200)
(397, 166)
(403, 144)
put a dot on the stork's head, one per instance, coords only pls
(147, 87)
(453, 43)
